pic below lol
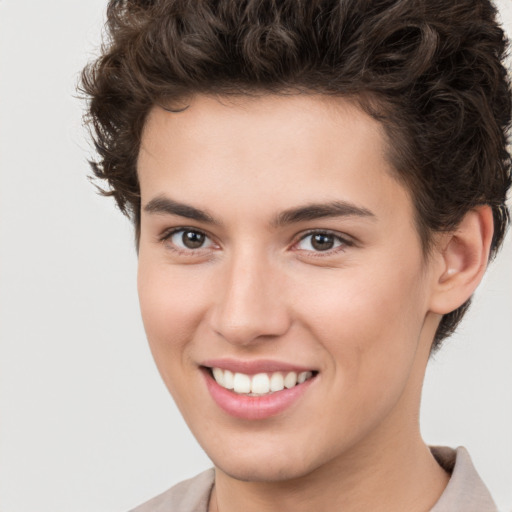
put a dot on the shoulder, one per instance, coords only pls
(188, 496)
(465, 492)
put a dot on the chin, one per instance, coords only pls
(262, 473)
(269, 467)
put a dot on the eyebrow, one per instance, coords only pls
(313, 211)
(165, 205)
(321, 210)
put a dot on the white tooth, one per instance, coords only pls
(260, 383)
(290, 380)
(218, 375)
(242, 383)
(276, 382)
(228, 379)
(302, 377)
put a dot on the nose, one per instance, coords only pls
(250, 305)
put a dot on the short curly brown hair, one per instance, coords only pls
(431, 71)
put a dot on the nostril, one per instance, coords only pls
(247, 328)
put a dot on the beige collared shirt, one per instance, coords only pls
(465, 491)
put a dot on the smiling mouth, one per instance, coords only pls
(260, 384)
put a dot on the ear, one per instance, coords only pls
(461, 257)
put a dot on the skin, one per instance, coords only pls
(362, 314)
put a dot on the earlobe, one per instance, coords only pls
(462, 255)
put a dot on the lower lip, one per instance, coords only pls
(254, 407)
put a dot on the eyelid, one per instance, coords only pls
(167, 234)
(345, 241)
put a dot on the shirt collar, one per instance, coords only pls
(465, 491)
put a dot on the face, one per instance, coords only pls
(282, 283)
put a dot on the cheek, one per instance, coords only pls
(368, 321)
(370, 330)
(171, 307)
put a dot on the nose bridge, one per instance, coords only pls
(250, 305)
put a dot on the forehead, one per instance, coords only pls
(289, 121)
(267, 151)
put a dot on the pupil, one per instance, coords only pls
(322, 242)
(192, 239)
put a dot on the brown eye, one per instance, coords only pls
(189, 239)
(322, 242)
(192, 239)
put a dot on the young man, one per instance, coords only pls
(316, 188)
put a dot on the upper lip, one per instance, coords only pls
(252, 367)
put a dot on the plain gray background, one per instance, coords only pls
(86, 425)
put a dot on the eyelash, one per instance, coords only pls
(166, 237)
(343, 242)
